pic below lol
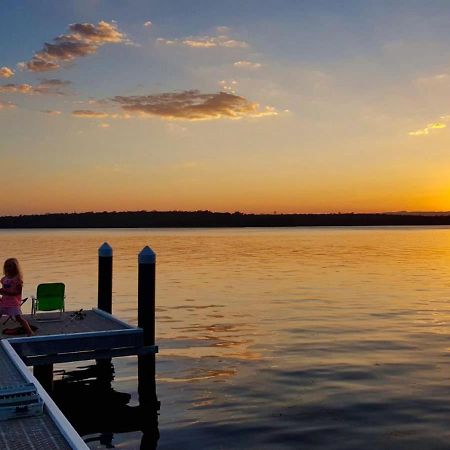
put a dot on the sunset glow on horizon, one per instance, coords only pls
(286, 106)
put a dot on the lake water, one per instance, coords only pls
(317, 338)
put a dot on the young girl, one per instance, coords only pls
(12, 293)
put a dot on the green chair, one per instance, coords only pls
(49, 297)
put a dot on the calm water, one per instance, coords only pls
(275, 338)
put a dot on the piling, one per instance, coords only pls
(105, 261)
(146, 321)
(146, 294)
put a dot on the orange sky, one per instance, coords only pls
(330, 111)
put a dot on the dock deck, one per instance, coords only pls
(91, 335)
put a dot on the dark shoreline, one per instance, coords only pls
(208, 219)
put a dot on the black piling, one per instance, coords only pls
(146, 321)
(146, 294)
(105, 260)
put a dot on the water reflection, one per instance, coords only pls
(98, 412)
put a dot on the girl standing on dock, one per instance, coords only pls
(11, 292)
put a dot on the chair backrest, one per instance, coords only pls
(50, 296)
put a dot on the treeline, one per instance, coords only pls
(198, 219)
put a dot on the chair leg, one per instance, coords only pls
(7, 320)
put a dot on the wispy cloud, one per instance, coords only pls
(222, 39)
(81, 40)
(16, 88)
(89, 114)
(193, 105)
(51, 112)
(437, 79)
(425, 131)
(6, 72)
(7, 105)
(148, 24)
(54, 82)
(53, 86)
(247, 65)
(228, 86)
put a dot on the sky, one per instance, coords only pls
(240, 105)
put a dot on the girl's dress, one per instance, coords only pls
(10, 304)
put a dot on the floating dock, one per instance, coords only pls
(73, 336)
(92, 334)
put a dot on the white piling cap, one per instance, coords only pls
(105, 250)
(147, 256)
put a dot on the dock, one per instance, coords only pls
(73, 336)
(92, 334)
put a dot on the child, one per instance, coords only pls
(12, 293)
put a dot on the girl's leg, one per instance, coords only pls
(25, 324)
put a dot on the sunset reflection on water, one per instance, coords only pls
(333, 337)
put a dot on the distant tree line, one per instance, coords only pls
(199, 219)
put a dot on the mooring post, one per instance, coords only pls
(146, 320)
(105, 260)
(146, 294)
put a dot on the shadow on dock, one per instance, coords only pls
(87, 399)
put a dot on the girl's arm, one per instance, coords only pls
(15, 289)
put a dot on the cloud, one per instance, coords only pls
(6, 105)
(425, 131)
(54, 82)
(101, 33)
(228, 86)
(434, 79)
(16, 88)
(82, 39)
(104, 125)
(51, 112)
(6, 72)
(193, 105)
(148, 24)
(205, 41)
(89, 114)
(223, 29)
(247, 65)
(45, 86)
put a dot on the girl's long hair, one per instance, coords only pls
(17, 270)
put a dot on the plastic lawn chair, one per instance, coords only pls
(11, 317)
(49, 297)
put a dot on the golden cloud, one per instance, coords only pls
(193, 105)
(6, 105)
(53, 86)
(6, 72)
(247, 65)
(425, 131)
(52, 112)
(16, 88)
(83, 39)
(88, 114)
(221, 40)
